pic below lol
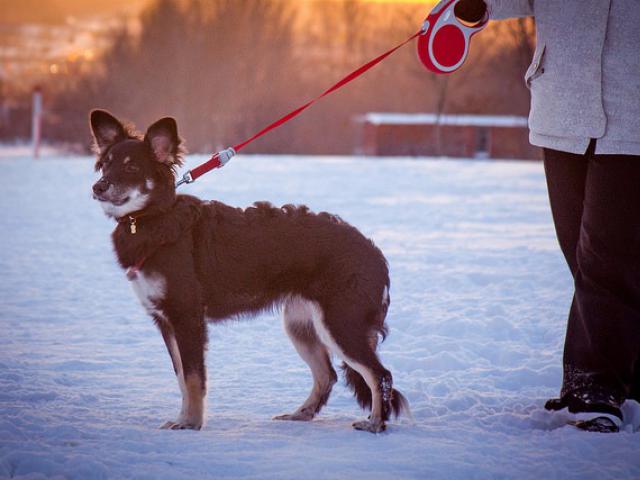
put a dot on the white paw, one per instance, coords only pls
(301, 416)
(370, 426)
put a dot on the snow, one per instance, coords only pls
(479, 299)
(20, 151)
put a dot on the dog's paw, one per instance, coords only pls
(179, 426)
(370, 426)
(299, 416)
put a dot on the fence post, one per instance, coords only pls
(36, 121)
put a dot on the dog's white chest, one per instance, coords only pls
(151, 290)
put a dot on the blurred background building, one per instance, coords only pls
(457, 136)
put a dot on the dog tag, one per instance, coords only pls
(132, 225)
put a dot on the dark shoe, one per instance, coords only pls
(598, 424)
(592, 410)
(555, 404)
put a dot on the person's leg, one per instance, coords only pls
(598, 367)
(603, 338)
(566, 175)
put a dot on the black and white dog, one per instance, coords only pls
(192, 262)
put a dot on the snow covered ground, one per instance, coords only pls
(479, 298)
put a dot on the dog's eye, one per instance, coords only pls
(131, 168)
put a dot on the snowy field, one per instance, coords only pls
(479, 299)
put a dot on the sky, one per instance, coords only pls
(58, 10)
(72, 29)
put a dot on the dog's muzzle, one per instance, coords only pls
(100, 187)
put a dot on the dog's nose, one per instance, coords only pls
(100, 186)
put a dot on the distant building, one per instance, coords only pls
(427, 134)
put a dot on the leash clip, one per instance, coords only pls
(225, 155)
(186, 178)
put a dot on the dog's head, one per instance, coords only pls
(138, 172)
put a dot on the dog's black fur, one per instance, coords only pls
(192, 261)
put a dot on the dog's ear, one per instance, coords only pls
(106, 130)
(164, 141)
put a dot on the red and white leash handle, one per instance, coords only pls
(444, 44)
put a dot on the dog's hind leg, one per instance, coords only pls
(379, 382)
(186, 348)
(346, 332)
(298, 325)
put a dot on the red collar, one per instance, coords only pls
(131, 219)
(133, 270)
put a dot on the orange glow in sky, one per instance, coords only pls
(424, 2)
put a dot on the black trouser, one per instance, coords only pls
(595, 202)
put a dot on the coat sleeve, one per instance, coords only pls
(499, 9)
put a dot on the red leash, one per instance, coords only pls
(220, 159)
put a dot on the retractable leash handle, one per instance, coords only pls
(443, 45)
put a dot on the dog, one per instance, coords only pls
(191, 262)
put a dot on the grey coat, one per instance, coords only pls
(585, 73)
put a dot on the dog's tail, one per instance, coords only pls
(399, 404)
(360, 388)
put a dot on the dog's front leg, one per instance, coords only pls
(186, 341)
